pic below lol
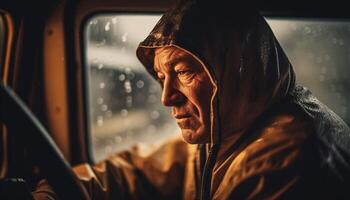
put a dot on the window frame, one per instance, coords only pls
(6, 51)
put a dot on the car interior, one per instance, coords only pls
(72, 90)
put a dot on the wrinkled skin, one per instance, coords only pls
(187, 90)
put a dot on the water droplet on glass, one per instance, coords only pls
(99, 120)
(131, 75)
(99, 100)
(102, 85)
(103, 42)
(154, 114)
(140, 84)
(108, 149)
(118, 139)
(111, 73)
(104, 107)
(95, 60)
(307, 30)
(109, 113)
(94, 22)
(124, 37)
(108, 26)
(121, 77)
(129, 101)
(127, 70)
(114, 20)
(124, 112)
(152, 99)
(127, 86)
(100, 66)
(153, 88)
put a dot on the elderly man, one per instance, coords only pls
(232, 91)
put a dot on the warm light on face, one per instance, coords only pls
(187, 89)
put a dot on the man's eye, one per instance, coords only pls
(185, 75)
(184, 72)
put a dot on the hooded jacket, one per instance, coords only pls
(270, 138)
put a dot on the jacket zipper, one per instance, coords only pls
(207, 172)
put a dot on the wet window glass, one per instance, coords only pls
(124, 102)
(319, 52)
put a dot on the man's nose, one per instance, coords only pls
(171, 96)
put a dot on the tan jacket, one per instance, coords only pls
(264, 168)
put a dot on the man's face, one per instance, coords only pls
(187, 89)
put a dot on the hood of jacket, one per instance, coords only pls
(239, 51)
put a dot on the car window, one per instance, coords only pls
(123, 101)
(319, 52)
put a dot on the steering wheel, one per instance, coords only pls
(17, 116)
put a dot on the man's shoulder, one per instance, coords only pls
(280, 145)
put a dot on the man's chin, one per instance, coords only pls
(192, 137)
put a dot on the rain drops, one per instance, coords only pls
(124, 105)
(104, 107)
(124, 37)
(109, 113)
(114, 20)
(124, 112)
(94, 22)
(127, 86)
(118, 139)
(99, 100)
(140, 84)
(108, 26)
(99, 120)
(152, 98)
(102, 85)
(128, 101)
(121, 77)
(154, 115)
(153, 88)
